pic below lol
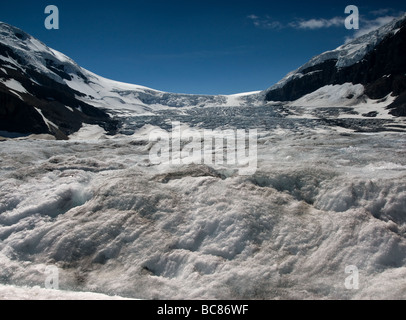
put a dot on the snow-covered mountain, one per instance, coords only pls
(372, 66)
(44, 91)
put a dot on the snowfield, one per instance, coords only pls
(323, 198)
(347, 95)
(38, 293)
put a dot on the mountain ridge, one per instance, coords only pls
(44, 91)
(377, 62)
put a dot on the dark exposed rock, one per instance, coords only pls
(17, 116)
(371, 114)
(51, 97)
(398, 107)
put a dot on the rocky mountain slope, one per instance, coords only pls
(44, 91)
(375, 60)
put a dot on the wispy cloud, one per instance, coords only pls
(377, 18)
(265, 22)
(317, 23)
(268, 22)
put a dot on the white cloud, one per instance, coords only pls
(265, 23)
(318, 23)
(268, 23)
(253, 17)
(366, 25)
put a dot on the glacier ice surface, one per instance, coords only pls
(101, 213)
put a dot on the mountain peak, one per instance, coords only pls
(348, 53)
(375, 60)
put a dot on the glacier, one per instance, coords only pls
(322, 198)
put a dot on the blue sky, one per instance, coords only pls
(204, 47)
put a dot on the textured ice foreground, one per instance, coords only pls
(113, 223)
(37, 293)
